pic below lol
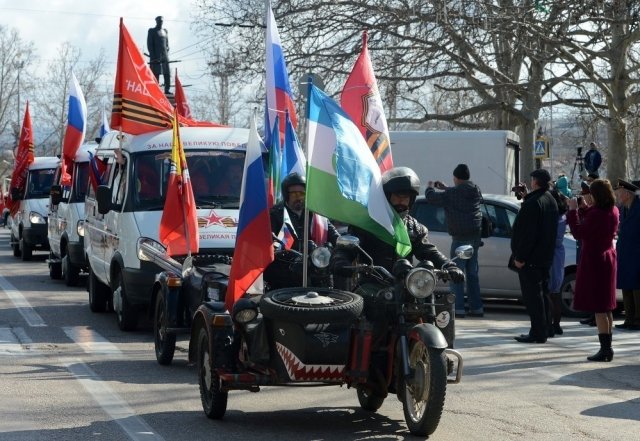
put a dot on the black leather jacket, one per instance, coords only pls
(385, 255)
(276, 215)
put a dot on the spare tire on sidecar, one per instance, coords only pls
(309, 331)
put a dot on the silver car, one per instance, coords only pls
(496, 280)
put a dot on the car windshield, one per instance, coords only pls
(216, 178)
(39, 183)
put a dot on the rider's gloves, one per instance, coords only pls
(455, 274)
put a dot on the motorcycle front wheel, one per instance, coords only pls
(423, 397)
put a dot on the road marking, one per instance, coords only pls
(91, 342)
(135, 427)
(10, 342)
(21, 304)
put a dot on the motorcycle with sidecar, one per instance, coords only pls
(382, 334)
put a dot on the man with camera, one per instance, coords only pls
(592, 159)
(532, 247)
(464, 220)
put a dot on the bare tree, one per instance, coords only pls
(487, 63)
(53, 95)
(16, 60)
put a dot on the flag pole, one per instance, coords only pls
(182, 198)
(305, 245)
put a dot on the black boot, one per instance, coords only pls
(605, 353)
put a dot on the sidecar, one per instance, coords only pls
(178, 292)
(289, 335)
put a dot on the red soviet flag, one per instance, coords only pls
(179, 222)
(361, 100)
(24, 157)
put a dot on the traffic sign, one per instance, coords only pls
(540, 149)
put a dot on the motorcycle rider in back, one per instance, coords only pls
(283, 272)
(401, 186)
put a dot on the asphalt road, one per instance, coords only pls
(69, 374)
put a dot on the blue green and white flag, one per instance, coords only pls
(343, 179)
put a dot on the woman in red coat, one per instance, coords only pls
(595, 290)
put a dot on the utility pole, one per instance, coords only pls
(223, 68)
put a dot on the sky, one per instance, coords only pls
(91, 25)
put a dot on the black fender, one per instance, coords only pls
(171, 297)
(429, 334)
(203, 319)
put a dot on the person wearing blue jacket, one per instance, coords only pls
(628, 278)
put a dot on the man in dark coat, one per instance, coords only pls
(532, 246)
(628, 251)
(158, 45)
(464, 220)
(592, 159)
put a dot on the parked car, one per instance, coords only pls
(496, 280)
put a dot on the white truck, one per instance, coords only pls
(493, 156)
(66, 220)
(125, 211)
(29, 225)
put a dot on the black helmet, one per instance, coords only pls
(291, 179)
(399, 180)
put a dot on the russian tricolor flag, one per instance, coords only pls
(76, 121)
(279, 96)
(76, 128)
(293, 159)
(254, 244)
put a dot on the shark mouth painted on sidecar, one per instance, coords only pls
(299, 371)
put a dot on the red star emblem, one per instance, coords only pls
(213, 219)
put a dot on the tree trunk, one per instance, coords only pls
(617, 150)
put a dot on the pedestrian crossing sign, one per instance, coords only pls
(540, 148)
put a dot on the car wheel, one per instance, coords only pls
(567, 290)
(70, 271)
(55, 268)
(126, 315)
(99, 294)
(165, 343)
(25, 250)
(301, 305)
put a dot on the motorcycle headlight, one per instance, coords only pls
(80, 228)
(144, 253)
(420, 282)
(320, 257)
(36, 218)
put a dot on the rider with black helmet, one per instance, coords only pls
(401, 186)
(293, 188)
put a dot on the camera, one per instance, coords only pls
(579, 199)
(520, 190)
(579, 151)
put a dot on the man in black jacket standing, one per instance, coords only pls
(532, 245)
(464, 220)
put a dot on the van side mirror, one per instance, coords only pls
(56, 194)
(103, 197)
(16, 194)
